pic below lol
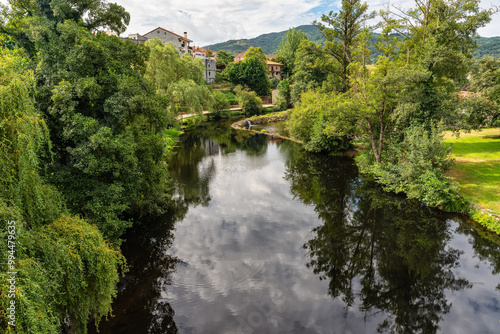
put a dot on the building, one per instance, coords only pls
(239, 56)
(275, 69)
(180, 42)
(210, 68)
(182, 45)
(135, 38)
(197, 51)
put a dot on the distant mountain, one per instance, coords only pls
(487, 46)
(268, 42)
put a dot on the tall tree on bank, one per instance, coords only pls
(340, 30)
(287, 49)
(65, 270)
(106, 122)
(178, 79)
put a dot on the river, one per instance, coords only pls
(266, 238)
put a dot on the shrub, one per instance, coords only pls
(220, 105)
(249, 102)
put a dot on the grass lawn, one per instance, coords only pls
(477, 167)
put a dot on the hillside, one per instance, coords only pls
(487, 46)
(268, 42)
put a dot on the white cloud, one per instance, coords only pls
(219, 20)
(208, 22)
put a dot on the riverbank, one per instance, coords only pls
(207, 112)
(476, 170)
(261, 119)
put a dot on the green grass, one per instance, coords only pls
(477, 167)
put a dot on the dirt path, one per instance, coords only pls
(205, 112)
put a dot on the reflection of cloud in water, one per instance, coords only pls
(240, 264)
(252, 255)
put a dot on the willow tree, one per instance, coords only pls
(178, 79)
(64, 267)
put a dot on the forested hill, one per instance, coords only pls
(487, 46)
(268, 42)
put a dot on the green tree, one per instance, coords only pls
(256, 53)
(27, 21)
(220, 105)
(250, 74)
(64, 267)
(249, 102)
(179, 79)
(288, 48)
(313, 68)
(107, 125)
(482, 109)
(340, 31)
(308, 122)
(284, 98)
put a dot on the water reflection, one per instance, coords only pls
(270, 239)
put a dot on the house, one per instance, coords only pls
(275, 69)
(210, 68)
(197, 51)
(135, 39)
(239, 56)
(180, 42)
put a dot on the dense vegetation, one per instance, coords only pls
(397, 108)
(86, 123)
(487, 46)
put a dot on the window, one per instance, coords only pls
(158, 31)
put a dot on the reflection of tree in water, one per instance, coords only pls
(139, 306)
(389, 253)
(486, 245)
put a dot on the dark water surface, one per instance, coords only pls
(266, 238)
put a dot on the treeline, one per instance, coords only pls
(486, 46)
(395, 110)
(87, 121)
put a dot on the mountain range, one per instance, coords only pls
(487, 46)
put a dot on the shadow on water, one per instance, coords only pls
(388, 264)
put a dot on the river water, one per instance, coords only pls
(266, 238)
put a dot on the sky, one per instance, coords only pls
(214, 21)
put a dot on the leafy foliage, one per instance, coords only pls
(284, 98)
(288, 48)
(64, 267)
(307, 122)
(107, 125)
(313, 69)
(251, 74)
(340, 32)
(220, 105)
(82, 266)
(249, 102)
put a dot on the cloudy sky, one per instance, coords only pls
(208, 22)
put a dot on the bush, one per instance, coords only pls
(308, 122)
(220, 105)
(416, 167)
(283, 101)
(249, 102)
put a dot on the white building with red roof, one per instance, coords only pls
(166, 36)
